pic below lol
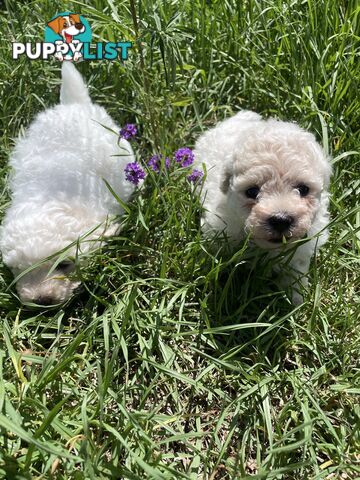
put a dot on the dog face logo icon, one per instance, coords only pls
(68, 31)
(68, 26)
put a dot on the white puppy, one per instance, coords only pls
(58, 191)
(267, 179)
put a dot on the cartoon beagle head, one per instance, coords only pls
(67, 26)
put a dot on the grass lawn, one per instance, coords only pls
(176, 362)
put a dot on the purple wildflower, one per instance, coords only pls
(155, 162)
(184, 156)
(195, 176)
(134, 173)
(129, 131)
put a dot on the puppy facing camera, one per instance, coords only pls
(269, 180)
(60, 201)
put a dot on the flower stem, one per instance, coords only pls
(146, 82)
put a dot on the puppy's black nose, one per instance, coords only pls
(44, 300)
(280, 222)
(79, 26)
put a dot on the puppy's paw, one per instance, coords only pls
(296, 298)
(77, 56)
(59, 56)
(292, 284)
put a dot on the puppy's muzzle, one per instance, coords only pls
(44, 300)
(280, 223)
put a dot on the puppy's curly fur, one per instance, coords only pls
(58, 190)
(269, 179)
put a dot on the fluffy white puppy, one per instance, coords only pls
(59, 196)
(267, 179)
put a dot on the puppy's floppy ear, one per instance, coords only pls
(75, 17)
(56, 24)
(327, 171)
(226, 175)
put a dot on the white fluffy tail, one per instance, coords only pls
(73, 88)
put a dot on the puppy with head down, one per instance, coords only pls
(61, 206)
(268, 180)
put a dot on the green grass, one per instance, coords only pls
(175, 362)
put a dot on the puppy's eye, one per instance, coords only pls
(252, 192)
(65, 267)
(303, 189)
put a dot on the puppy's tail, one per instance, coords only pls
(73, 88)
